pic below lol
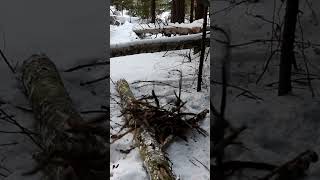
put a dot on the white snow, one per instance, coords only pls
(122, 33)
(279, 128)
(159, 40)
(162, 66)
(70, 33)
(165, 16)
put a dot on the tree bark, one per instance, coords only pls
(65, 136)
(155, 160)
(203, 49)
(150, 46)
(153, 11)
(178, 11)
(295, 168)
(173, 11)
(287, 54)
(200, 8)
(191, 10)
(169, 30)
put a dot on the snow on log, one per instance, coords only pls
(155, 160)
(65, 136)
(157, 45)
(170, 28)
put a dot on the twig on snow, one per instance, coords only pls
(7, 62)
(87, 65)
(95, 81)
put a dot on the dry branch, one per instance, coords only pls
(226, 141)
(6, 61)
(87, 66)
(294, 168)
(155, 160)
(155, 127)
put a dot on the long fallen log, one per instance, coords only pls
(155, 160)
(72, 147)
(169, 30)
(158, 45)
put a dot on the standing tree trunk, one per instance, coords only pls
(173, 11)
(203, 48)
(191, 10)
(200, 8)
(153, 11)
(64, 135)
(287, 54)
(178, 11)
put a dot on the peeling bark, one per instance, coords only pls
(155, 160)
(65, 136)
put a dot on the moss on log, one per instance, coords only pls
(65, 136)
(155, 160)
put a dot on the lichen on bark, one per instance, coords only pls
(155, 160)
(81, 154)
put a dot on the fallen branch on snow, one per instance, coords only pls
(295, 168)
(156, 125)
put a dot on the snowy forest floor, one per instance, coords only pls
(190, 160)
(69, 39)
(279, 128)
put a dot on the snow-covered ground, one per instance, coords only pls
(279, 128)
(190, 159)
(70, 33)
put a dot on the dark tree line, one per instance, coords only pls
(149, 9)
(197, 9)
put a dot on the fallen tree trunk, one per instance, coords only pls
(155, 160)
(169, 30)
(158, 45)
(72, 147)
